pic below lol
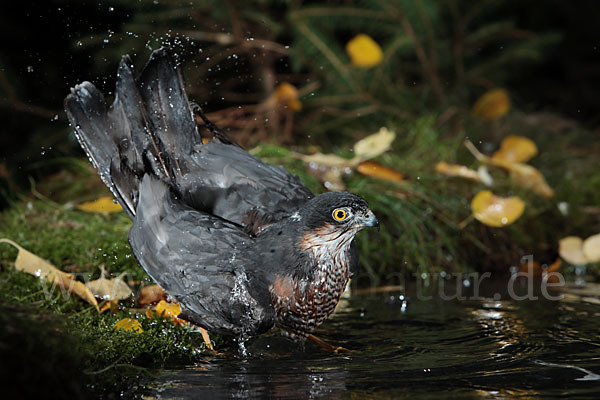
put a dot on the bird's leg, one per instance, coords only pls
(206, 338)
(326, 346)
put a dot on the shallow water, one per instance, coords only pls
(406, 344)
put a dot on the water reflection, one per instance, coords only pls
(428, 348)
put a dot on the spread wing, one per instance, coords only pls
(200, 260)
(150, 129)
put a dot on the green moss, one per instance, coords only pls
(82, 340)
(79, 339)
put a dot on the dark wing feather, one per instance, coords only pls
(200, 261)
(227, 181)
(150, 129)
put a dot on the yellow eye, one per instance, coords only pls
(339, 214)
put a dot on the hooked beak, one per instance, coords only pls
(370, 220)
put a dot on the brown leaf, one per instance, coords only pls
(376, 170)
(457, 170)
(151, 294)
(286, 95)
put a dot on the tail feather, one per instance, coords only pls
(149, 128)
(170, 117)
(86, 109)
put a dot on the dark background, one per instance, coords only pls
(40, 59)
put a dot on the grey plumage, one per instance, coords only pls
(206, 217)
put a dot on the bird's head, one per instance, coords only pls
(341, 211)
(331, 220)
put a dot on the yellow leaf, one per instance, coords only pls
(286, 95)
(109, 289)
(168, 309)
(517, 149)
(496, 211)
(373, 145)
(457, 170)
(364, 51)
(492, 104)
(112, 305)
(570, 248)
(129, 324)
(103, 205)
(591, 248)
(30, 263)
(376, 170)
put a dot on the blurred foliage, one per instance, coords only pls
(437, 58)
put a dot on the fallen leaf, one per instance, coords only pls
(331, 176)
(524, 175)
(109, 289)
(554, 267)
(532, 267)
(591, 248)
(535, 268)
(516, 149)
(30, 263)
(373, 145)
(166, 309)
(457, 170)
(151, 294)
(493, 104)
(103, 205)
(528, 177)
(329, 168)
(286, 95)
(112, 305)
(496, 211)
(570, 248)
(328, 160)
(376, 170)
(577, 251)
(364, 51)
(129, 324)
